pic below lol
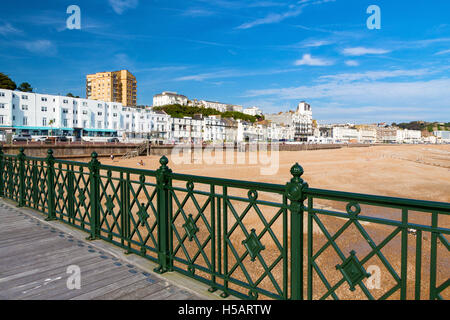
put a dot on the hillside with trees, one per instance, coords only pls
(179, 111)
(424, 126)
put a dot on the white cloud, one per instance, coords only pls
(39, 46)
(376, 75)
(308, 60)
(352, 63)
(8, 29)
(315, 43)
(232, 73)
(443, 52)
(271, 18)
(360, 51)
(195, 12)
(119, 6)
(278, 17)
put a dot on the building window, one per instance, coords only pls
(65, 111)
(44, 109)
(44, 121)
(24, 107)
(99, 113)
(65, 123)
(43, 99)
(65, 101)
(2, 106)
(85, 112)
(25, 121)
(24, 97)
(2, 94)
(1, 119)
(99, 124)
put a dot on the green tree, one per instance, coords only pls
(179, 111)
(25, 87)
(6, 82)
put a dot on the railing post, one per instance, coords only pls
(295, 192)
(71, 192)
(163, 181)
(94, 196)
(2, 194)
(21, 158)
(51, 186)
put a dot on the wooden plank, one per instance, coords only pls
(101, 280)
(116, 289)
(33, 247)
(55, 289)
(159, 295)
(17, 262)
(125, 289)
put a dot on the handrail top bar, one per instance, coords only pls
(128, 170)
(262, 186)
(431, 206)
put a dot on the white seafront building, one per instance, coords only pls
(168, 98)
(301, 120)
(442, 136)
(43, 115)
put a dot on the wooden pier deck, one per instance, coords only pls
(35, 255)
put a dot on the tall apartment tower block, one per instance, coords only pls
(116, 86)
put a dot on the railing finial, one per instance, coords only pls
(164, 161)
(297, 171)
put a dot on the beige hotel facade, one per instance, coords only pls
(115, 86)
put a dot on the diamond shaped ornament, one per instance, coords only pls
(190, 227)
(109, 205)
(253, 245)
(143, 215)
(352, 270)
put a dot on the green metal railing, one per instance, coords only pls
(252, 240)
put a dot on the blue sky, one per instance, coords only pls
(267, 53)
